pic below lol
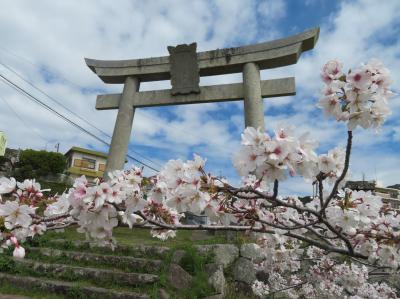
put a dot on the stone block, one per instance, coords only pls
(216, 277)
(252, 252)
(225, 254)
(179, 278)
(244, 271)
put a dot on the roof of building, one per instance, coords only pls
(396, 186)
(85, 151)
(361, 185)
(385, 189)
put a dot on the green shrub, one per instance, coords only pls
(39, 163)
(192, 261)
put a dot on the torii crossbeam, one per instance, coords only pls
(184, 67)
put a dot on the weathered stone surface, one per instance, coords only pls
(178, 277)
(216, 277)
(253, 102)
(184, 69)
(221, 61)
(135, 264)
(123, 127)
(208, 94)
(225, 254)
(177, 256)
(63, 287)
(164, 294)
(252, 252)
(97, 275)
(5, 296)
(243, 270)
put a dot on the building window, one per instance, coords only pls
(88, 163)
(77, 162)
(102, 167)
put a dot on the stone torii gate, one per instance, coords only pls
(184, 67)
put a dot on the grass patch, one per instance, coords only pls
(132, 237)
(56, 188)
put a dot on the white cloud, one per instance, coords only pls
(272, 9)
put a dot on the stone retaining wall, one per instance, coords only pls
(234, 261)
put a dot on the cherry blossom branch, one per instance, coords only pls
(62, 226)
(51, 219)
(277, 202)
(344, 172)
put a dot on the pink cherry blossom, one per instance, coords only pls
(332, 70)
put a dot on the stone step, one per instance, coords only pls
(134, 264)
(141, 250)
(94, 274)
(67, 289)
(10, 296)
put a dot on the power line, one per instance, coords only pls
(47, 107)
(69, 110)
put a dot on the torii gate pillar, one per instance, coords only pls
(253, 102)
(123, 127)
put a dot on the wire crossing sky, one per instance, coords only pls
(72, 112)
(45, 43)
(63, 117)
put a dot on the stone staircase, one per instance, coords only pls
(66, 271)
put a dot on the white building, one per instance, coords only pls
(81, 161)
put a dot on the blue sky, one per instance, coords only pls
(46, 41)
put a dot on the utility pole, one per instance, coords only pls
(57, 146)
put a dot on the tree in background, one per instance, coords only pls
(34, 163)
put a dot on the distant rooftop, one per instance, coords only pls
(361, 185)
(396, 186)
(86, 151)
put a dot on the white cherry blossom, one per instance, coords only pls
(7, 185)
(16, 214)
